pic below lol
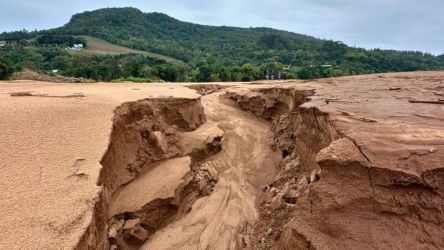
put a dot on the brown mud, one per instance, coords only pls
(343, 163)
(285, 177)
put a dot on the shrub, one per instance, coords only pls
(6, 69)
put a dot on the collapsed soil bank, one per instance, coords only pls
(145, 146)
(328, 193)
(289, 176)
(173, 168)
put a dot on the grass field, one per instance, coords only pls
(101, 47)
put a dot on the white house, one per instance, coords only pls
(76, 47)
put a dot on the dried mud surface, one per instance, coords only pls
(363, 166)
(342, 163)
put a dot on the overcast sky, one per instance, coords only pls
(387, 24)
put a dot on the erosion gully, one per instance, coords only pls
(229, 171)
(183, 174)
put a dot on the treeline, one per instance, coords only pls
(134, 67)
(45, 59)
(17, 37)
(96, 67)
(121, 67)
(60, 40)
(26, 38)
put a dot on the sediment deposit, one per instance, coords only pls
(342, 163)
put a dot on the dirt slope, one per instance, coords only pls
(101, 47)
(345, 163)
(224, 219)
(363, 167)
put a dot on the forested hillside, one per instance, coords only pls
(209, 53)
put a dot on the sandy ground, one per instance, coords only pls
(245, 163)
(50, 148)
(372, 149)
(43, 142)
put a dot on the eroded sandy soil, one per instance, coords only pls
(43, 142)
(345, 163)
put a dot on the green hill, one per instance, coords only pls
(162, 34)
(210, 53)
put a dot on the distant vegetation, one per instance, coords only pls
(6, 69)
(59, 40)
(155, 46)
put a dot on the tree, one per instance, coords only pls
(6, 69)
(60, 40)
(275, 41)
(334, 50)
(314, 72)
(168, 72)
(204, 73)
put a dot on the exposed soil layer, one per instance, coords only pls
(224, 219)
(205, 89)
(172, 169)
(352, 178)
(147, 176)
(344, 163)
